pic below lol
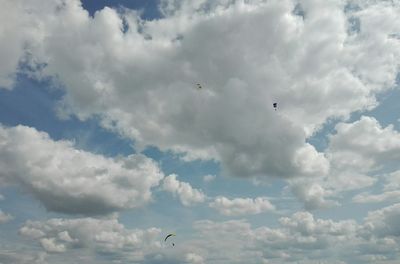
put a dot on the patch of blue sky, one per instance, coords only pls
(194, 171)
(149, 8)
(166, 210)
(22, 207)
(320, 139)
(388, 110)
(32, 103)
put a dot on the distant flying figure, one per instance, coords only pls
(199, 86)
(275, 105)
(169, 235)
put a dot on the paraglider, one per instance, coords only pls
(169, 235)
(275, 105)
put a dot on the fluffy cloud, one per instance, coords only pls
(102, 235)
(312, 195)
(192, 258)
(305, 62)
(22, 257)
(69, 180)
(4, 217)
(305, 224)
(384, 222)
(209, 178)
(389, 193)
(377, 198)
(12, 40)
(392, 181)
(364, 145)
(302, 238)
(358, 153)
(187, 195)
(241, 206)
(298, 238)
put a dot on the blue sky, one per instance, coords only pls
(107, 145)
(148, 8)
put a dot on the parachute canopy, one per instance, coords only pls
(169, 235)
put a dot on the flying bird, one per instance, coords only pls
(275, 105)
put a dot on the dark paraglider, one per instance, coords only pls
(168, 236)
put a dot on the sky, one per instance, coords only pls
(107, 145)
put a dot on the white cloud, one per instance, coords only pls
(306, 64)
(358, 153)
(102, 235)
(13, 35)
(187, 195)
(298, 238)
(209, 178)
(69, 180)
(22, 257)
(383, 222)
(50, 245)
(241, 206)
(392, 181)
(305, 224)
(4, 217)
(312, 195)
(377, 198)
(364, 145)
(193, 258)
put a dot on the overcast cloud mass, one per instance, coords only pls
(107, 144)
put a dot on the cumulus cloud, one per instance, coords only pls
(364, 145)
(186, 193)
(384, 222)
(102, 235)
(241, 206)
(389, 193)
(302, 238)
(306, 62)
(11, 41)
(209, 178)
(313, 195)
(377, 198)
(357, 154)
(4, 217)
(193, 258)
(306, 224)
(392, 181)
(69, 180)
(22, 257)
(298, 238)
